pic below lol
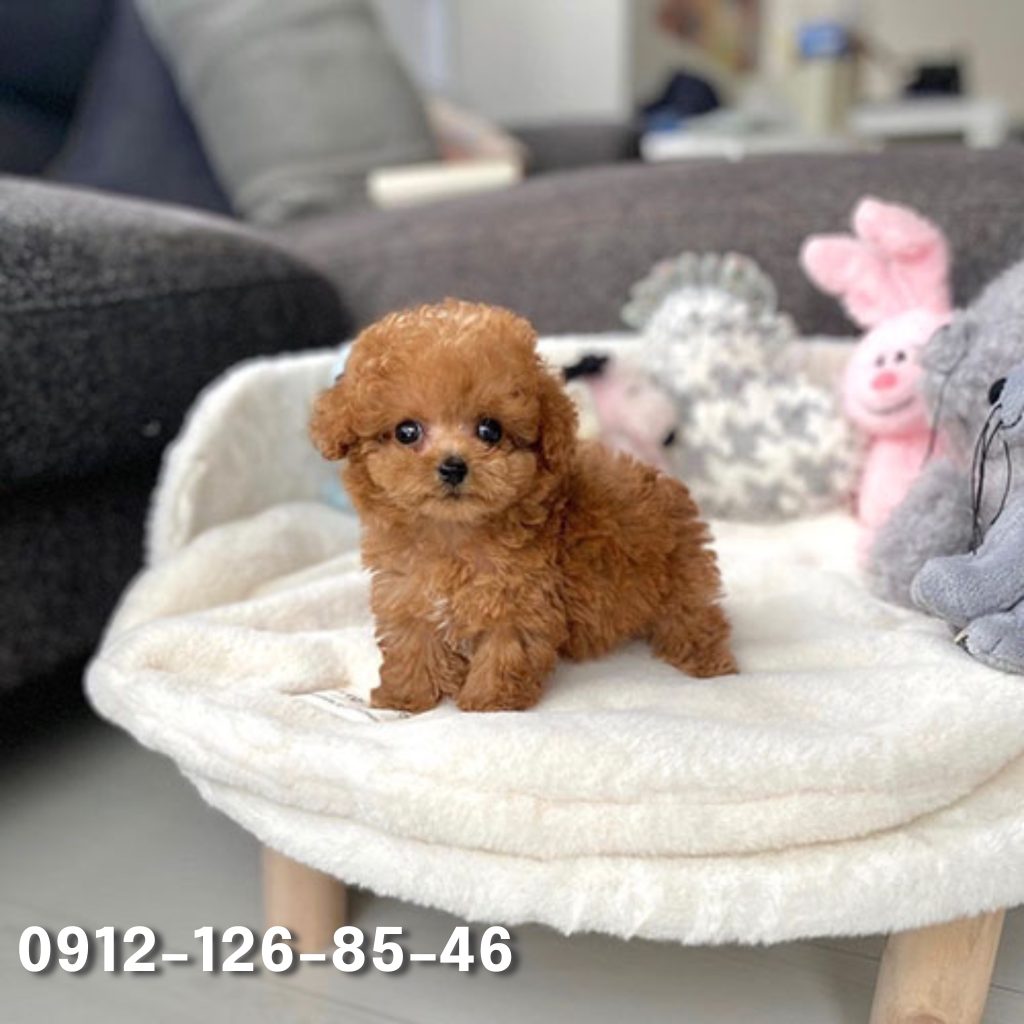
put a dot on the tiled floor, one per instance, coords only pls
(96, 831)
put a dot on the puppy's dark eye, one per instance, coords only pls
(669, 439)
(901, 356)
(489, 431)
(996, 391)
(408, 432)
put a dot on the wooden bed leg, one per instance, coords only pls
(938, 975)
(310, 904)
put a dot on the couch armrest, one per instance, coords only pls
(114, 313)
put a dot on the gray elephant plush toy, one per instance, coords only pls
(982, 343)
(981, 593)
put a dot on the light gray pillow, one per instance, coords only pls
(295, 101)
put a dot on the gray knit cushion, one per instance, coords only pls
(114, 313)
(564, 249)
(295, 101)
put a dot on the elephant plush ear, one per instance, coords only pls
(948, 346)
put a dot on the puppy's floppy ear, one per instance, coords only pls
(331, 426)
(558, 423)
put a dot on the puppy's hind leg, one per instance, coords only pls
(694, 639)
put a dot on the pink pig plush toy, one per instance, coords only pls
(892, 276)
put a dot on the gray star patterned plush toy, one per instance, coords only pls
(758, 440)
(981, 593)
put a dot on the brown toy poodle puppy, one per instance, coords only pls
(497, 542)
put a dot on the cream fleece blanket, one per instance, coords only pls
(860, 775)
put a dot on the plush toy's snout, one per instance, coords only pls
(1006, 395)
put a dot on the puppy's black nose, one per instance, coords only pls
(452, 470)
(995, 392)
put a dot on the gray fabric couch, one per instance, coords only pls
(564, 248)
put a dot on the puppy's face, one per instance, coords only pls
(446, 412)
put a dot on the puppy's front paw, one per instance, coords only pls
(402, 699)
(505, 674)
(497, 699)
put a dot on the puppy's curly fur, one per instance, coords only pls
(497, 542)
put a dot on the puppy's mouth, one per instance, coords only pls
(450, 496)
(452, 506)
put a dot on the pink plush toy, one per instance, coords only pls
(625, 409)
(892, 276)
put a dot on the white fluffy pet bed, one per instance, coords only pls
(861, 775)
